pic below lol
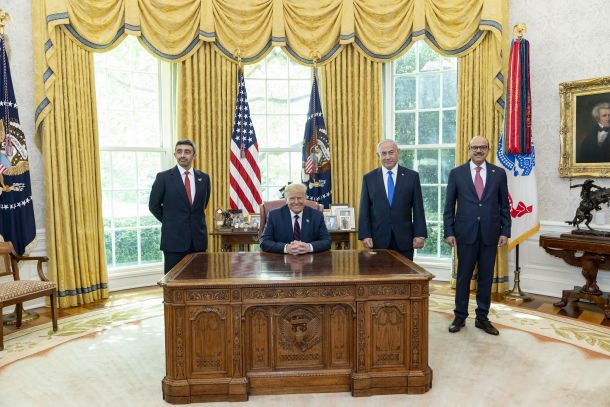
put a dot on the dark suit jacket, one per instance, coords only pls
(181, 223)
(492, 212)
(406, 216)
(278, 230)
(590, 151)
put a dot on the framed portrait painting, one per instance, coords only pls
(585, 128)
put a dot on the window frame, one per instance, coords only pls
(388, 117)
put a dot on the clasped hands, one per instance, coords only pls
(297, 247)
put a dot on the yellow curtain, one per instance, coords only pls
(207, 88)
(351, 99)
(73, 204)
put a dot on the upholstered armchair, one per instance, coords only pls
(17, 291)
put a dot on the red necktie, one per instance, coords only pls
(187, 186)
(297, 229)
(478, 183)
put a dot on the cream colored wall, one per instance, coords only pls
(569, 41)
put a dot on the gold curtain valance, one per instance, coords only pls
(381, 30)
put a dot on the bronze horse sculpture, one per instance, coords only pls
(591, 200)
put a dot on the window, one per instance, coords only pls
(278, 93)
(421, 103)
(135, 131)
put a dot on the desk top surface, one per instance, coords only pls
(243, 268)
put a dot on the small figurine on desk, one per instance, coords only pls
(591, 200)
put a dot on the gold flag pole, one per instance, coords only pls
(515, 294)
(11, 319)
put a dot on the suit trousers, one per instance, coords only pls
(394, 246)
(484, 257)
(173, 258)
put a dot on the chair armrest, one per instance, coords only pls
(40, 260)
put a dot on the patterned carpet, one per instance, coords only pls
(115, 356)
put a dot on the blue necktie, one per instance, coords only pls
(390, 187)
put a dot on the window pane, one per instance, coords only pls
(406, 63)
(106, 169)
(259, 121)
(254, 71)
(449, 89)
(427, 166)
(405, 128)
(299, 96)
(449, 126)
(256, 96)
(447, 163)
(150, 240)
(126, 247)
(278, 165)
(108, 248)
(428, 127)
(277, 64)
(124, 174)
(428, 59)
(445, 248)
(296, 166)
(277, 97)
(429, 91)
(277, 131)
(405, 93)
(297, 130)
(107, 208)
(149, 164)
(298, 71)
(125, 209)
(430, 248)
(430, 195)
(145, 217)
(406, 158)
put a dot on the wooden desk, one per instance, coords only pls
(340, 239)
(263, 323)
(596, 255)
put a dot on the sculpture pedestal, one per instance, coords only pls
(596, 256)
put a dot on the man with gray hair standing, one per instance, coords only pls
(595, 148)
(391, 205)
(295, 228)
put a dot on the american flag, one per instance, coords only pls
(16, 209)
(316, 152)
(245, 174)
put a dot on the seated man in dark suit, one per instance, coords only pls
(295, 228)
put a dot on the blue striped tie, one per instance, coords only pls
(390, 187)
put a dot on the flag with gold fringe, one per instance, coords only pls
(16, 209)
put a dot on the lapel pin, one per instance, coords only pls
(307, 220)
(199, 179)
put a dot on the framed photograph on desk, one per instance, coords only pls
(332, 223)
(347, 220)
(254, 218)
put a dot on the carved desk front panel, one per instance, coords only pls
(258, 323)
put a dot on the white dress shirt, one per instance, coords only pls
(191, 179)
(300, 220)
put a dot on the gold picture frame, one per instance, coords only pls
(578, 100)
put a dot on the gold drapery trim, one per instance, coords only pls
(351, 99)
(207, 88)
(73, 197)
(381, 30)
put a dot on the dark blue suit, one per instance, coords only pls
(183, 226)
(401, 222)
(477, 226)
(278, 230)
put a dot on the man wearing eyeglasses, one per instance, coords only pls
(480, 225)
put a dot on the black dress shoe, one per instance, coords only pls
(486, 326)
(457, 324)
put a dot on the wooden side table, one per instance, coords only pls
(596, 256)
